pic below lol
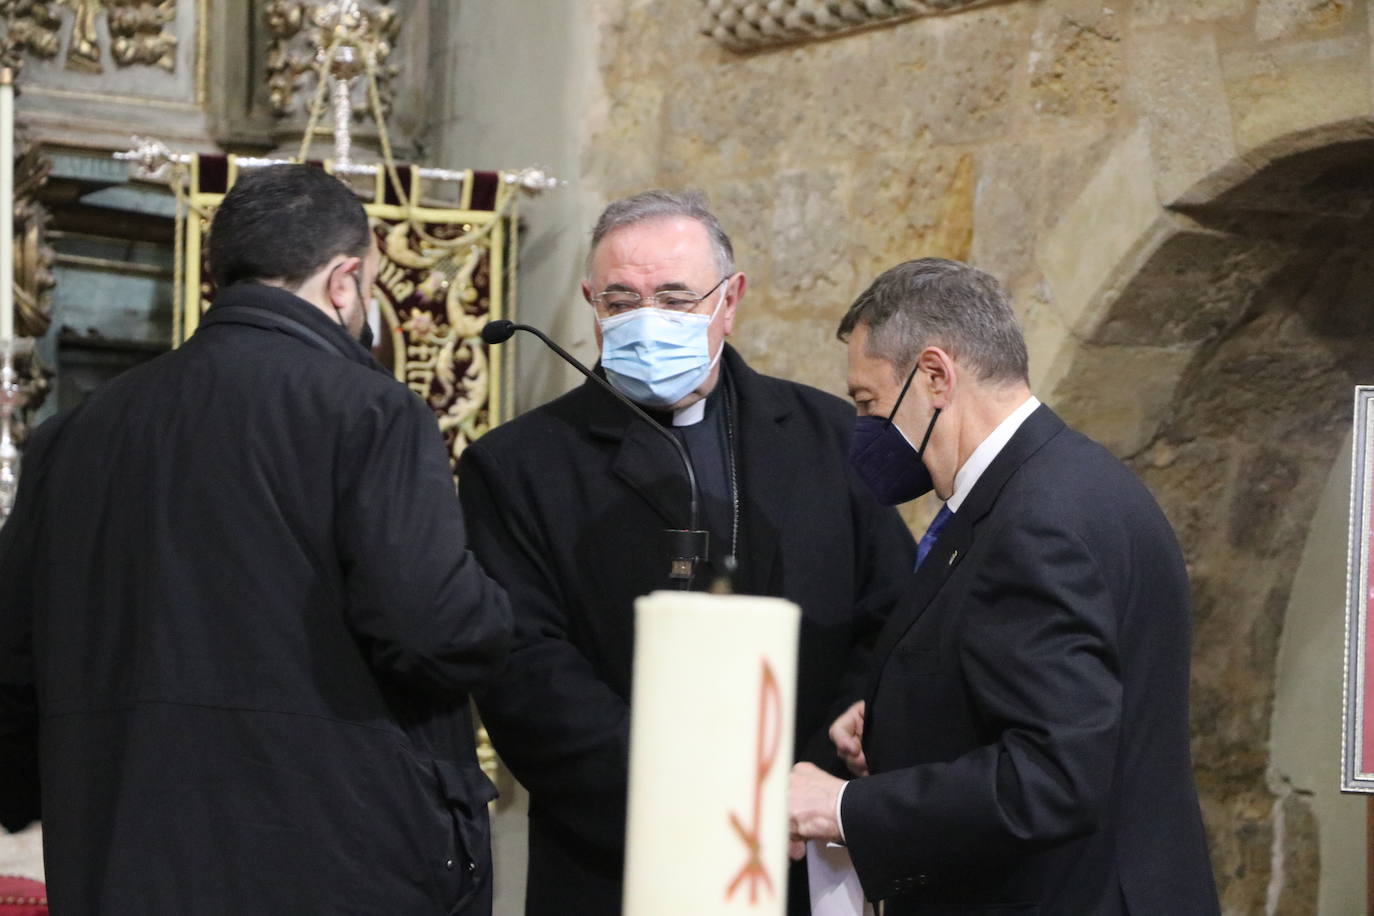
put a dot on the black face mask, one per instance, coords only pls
(885, 460)
(365, 336)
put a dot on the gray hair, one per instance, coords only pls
(658, 204)
(934, 301)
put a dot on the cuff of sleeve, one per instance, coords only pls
(839, 797)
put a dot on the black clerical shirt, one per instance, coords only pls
(707, 441)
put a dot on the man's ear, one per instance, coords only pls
(734, 292)
(936, 370)
(340, 287)
(586, 292)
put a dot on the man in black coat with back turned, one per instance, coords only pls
(568, 504)
(238, 617)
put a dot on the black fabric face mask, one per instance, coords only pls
(886, 461)
(365, 337)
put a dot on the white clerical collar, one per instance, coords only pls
(690, 415)
(987, 450)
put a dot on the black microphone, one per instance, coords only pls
(685, 547)
(500, 331)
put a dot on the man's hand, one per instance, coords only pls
(847, 734)
(811, 808)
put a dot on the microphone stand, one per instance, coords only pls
(685, 547)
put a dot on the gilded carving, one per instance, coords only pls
(138, 33)
(302, 30)
(32, 380)
(744, 25)
(28, 378)
(33, 27)
(33, 259)
(84, 51)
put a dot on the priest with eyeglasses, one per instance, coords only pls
(568, 503)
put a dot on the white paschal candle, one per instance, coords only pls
(6, 204)
(711, 724)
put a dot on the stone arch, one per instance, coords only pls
(1215, 351)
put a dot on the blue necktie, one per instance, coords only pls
(932, 534)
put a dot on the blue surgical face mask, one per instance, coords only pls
(886, 460)
(656, 357)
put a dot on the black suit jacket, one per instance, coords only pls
(566, 507)
(238, 614)
(1027, 725)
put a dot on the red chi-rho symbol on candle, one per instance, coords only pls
(769, 736)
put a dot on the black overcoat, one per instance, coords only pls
(1027, 724)
(566, 505)
(239, 616)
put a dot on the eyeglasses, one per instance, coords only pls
(619, 301)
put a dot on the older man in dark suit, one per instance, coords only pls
(568, 504)
(1023, 746)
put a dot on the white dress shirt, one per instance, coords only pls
(988, 449)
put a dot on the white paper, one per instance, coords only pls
(835, 888)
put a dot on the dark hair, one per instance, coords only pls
(660, 203)
(934, 301)
(283, 223)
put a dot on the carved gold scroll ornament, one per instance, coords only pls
(138, 31)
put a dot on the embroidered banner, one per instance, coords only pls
(443, 275)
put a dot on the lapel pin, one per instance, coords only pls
(954, 556)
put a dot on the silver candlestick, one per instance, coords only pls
(11, 400)
(350, 61)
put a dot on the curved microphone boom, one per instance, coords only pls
(687, 546)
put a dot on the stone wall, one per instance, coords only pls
(1173, 190)
(1276, 331)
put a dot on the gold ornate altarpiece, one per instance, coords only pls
(446, 270)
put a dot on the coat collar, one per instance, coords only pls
(1041, 426)
(958, 535)
(770, 447)
(272, 308)
(766, 452)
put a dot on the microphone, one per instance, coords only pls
(685, 546)
(500, 331)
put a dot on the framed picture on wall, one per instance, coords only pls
(1357, 765)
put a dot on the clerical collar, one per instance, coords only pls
(692, 414)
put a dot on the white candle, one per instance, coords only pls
(711, 721)
(6, 204)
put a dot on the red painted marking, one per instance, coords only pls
(767, 747)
